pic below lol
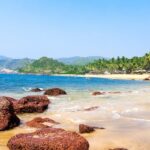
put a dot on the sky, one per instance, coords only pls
(65, 28)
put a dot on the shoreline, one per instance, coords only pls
(106, 76)
(109, 76)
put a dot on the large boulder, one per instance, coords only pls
(8, 119)
(30, 104)
(41, 123)
(54, 92)
(10, 98)
(48, 139)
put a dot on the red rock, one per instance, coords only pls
(98, 93)
(85, 128)
(10, 98)
(88, 129)
(55, 92)
(36, 90)
(39, 122)
(30, 104)
(8, 119)
(119, 149)
(147, 79)
(48, 139)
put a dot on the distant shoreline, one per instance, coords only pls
(110, 76)
(106, 76)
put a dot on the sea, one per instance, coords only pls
(124, 109)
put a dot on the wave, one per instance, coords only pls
(29, 89)
(138, 119)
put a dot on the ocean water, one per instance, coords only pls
(125, 115)
(18, 83)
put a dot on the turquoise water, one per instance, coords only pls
(18, 83)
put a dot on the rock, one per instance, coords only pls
(147, 79)
(30, 104)
(117, 92)
(119, 149)
(8, 119)
(98, 93)
(48, 139)
(85, 129)
(10, 98)
(91, 108)
(36, 90)
(39, 123)
(88, 129)
(101, 128)
(102, 93)
(55, 92)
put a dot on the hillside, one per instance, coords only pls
(79, 60)
(44, 65)
(13, 64)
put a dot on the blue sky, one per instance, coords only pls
(64, 28)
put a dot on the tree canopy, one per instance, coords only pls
(46, 65)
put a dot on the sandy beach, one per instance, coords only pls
(111, 76)
(127, 123)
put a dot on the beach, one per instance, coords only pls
(123, 110)
(111, 76)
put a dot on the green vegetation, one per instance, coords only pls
(122, 65)
(46, 65)
(13, 64)
(79, 60)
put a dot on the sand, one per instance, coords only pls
(111, 76)
(125, 118)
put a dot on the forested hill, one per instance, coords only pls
(77, 60)
(46, 65)
(14, 64)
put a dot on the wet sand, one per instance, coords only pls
(126, 118)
